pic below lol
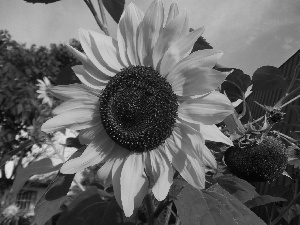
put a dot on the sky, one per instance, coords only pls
(251, 33)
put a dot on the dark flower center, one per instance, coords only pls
(138, 108)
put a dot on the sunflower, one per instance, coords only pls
(43, 91)
(140, 97)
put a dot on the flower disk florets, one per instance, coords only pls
(138, 108)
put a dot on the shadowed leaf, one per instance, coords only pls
(38, 167)
(263, 200)
(213, 206)
(22, 147)
(60, 185)
(88, 208)
(115, 8)
(237, 187)
(67, 76)
(291, 213)
(267, 78)
(44, 209)
(200, 44)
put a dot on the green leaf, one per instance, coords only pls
(115, 8)
(263, 200)
(60, 185)
(41, 1)
(214, 206)
(237, 187)
(200, 44)
(292, 213)
(67, 76)
(236, 84)
(88, 208)
(22, 147)
(267, 78)
(38, 167)
(73, 142)
(44, 209)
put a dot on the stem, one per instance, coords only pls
(284, 98)
(93, 11)
(62, 158)
(285, 210)
(293, 79)
(150, 208)
(168, 214)
(290, 101)
(103, 17)
(244, 107)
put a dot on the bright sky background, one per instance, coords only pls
(251, 33)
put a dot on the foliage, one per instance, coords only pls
(227, 199)
(19, 108)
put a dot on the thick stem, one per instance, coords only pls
(279, 104)
(293, 79)
(285, 210)
(93, 11)
(150, 207)
(168, 214)
(103, 17)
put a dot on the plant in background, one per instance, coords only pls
(145, 108)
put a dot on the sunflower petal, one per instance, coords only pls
(86, 79)
(173, 31)
(91, 50)
(173, 12)
(88, 65)
(108, 49)
(179, 49)
(134, 184)
(191, 169)
(196, 81)
(76, 119)
(121, 37)
(211, 109)
(213, 133)
(128, 27)
(95, 153)
(148, 32)
(208, 158)
(204, 58)
(162, 173)
(116, 179)
(86, 136)
(75, 104)
(73, 91)
(105, 170)
(187, 139)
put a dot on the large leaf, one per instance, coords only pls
(22, 147)
(35, 168)
(237, 187)
(214, 206)
(263, 200)
(267, 78)
(291, 213)
(60, 185)
(115, 8)
(67, 76)
(90, 209)
(44, 209)
(200, 44)
(41, 1)
(236, 84)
